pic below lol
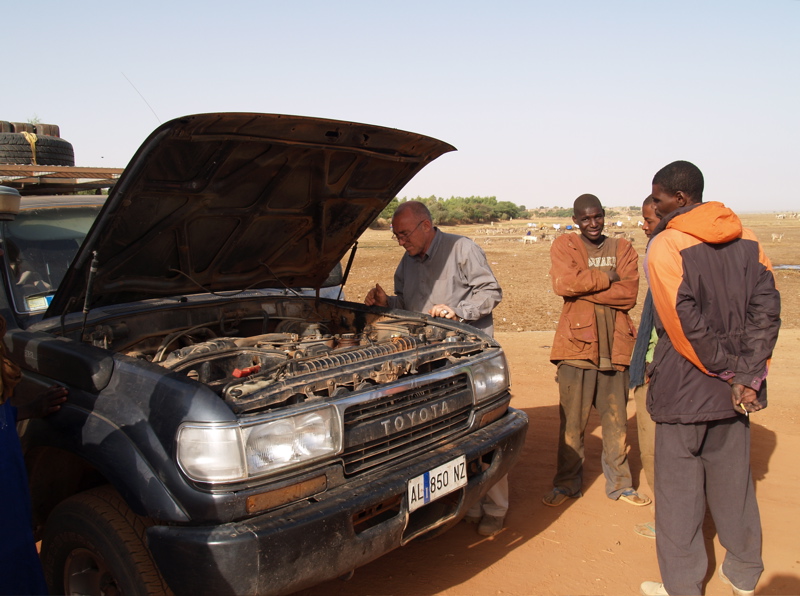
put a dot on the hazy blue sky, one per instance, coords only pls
(545, 100)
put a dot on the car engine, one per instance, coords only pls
(292, 350)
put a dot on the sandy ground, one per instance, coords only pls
(587, 546)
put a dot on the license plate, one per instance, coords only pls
(437, 483)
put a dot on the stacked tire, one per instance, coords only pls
(22, 143)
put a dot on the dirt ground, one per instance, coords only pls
(587, 546)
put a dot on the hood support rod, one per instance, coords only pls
(89, 283)
(349, 265)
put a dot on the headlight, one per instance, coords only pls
(211, 453)
(224, 454)
(490, 377)
(287, 441)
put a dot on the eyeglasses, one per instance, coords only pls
(403, 236)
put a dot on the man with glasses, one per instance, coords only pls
(445, 275)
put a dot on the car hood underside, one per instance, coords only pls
(225, 202)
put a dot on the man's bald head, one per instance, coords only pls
(415, 209)
(413, 227)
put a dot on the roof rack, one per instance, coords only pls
(39, 180)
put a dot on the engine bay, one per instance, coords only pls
(258, 355)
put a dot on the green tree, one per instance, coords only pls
(462, 210)
(388, 211)
(507, 209)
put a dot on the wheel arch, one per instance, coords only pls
(56, 472)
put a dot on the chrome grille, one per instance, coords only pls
(404, 422)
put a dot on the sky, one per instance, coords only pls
(544, 100)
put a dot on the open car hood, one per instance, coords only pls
(233, 201)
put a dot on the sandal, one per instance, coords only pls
(631, 496)
(647, 529)
(557, 496)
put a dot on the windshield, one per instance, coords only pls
(39, 246)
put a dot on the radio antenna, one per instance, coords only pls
(143, 99)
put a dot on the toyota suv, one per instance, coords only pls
(223, 434)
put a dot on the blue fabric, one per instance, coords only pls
(20, 568)
(638, 364)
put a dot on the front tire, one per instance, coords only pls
(94, 544)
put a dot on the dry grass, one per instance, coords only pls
(522, 269)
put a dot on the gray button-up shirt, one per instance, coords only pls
(454, 271)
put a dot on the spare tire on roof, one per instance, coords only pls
(17, 148)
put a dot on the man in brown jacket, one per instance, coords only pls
(598, 278)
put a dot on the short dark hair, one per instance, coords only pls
(681, 176)
(585, 202)
(647, 201)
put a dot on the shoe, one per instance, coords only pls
(647, 529)
(473, 519)
(736, 591)
(558, 495)
(490, 525)
(631, 496)
(652, 589)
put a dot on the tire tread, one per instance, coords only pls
(50, 150)
(108, 506)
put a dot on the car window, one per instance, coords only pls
(39, 246)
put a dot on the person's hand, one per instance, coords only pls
(745, 399)
(612, 276)
(47, 402)
(444, 311)
(376, 297)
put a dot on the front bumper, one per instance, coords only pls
(299, 546)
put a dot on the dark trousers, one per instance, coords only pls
(695, 464)
(580, 389)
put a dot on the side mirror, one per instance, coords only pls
(335, 277)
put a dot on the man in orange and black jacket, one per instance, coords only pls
(718, 315)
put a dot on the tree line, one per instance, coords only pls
(461, 210)
(479, 210)
(566, 212)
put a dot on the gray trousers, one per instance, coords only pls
(579, 389)
(695, 464)
(647, 435)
